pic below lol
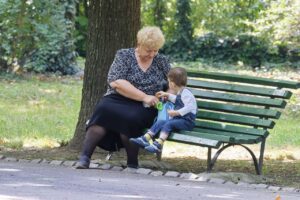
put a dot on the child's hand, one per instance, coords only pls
(150, 100)
(162, 94)
(173, 113)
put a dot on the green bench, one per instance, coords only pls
(234, 110)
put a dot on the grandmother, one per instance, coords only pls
(127, 108)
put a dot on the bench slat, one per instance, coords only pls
(231, 128)
(212, 139)
(208, 139)
(190, 139)
(276, 93)
(239, 98)
(259, 112)
(235, 137)
(245, 79)
(238, 119)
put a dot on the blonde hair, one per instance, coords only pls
(150, 37)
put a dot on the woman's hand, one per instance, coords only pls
(161, 94)
(150, 100)
(173, 113)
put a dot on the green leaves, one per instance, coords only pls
(38, 35)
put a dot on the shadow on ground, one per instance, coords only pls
(275, 172)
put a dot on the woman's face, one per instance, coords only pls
(146, 53)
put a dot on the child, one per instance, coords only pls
(181, 118)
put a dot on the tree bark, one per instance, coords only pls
(113, 25)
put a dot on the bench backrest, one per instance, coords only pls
(233, 106)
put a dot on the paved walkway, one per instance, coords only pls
(33, 181)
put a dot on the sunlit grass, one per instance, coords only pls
(285, 133)
(39, 113)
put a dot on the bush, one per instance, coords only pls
(249, 49)
(38, 35)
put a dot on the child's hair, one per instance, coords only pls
(178, 75)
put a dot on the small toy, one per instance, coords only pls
(159, 106)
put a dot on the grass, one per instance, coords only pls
(286, 133)
(39, 112)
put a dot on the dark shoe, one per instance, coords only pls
(154, 148)
(141, 141)
(84, 163)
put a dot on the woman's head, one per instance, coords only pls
(150, 37)
(177, 76)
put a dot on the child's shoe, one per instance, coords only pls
(141, 141)
(84, 162)
(156, 147)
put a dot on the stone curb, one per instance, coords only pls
(203, 177)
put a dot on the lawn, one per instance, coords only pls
(40, 112)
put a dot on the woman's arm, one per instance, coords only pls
(126, 89)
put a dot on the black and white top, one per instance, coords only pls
(125, 66)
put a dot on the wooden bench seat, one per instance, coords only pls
(234, 110)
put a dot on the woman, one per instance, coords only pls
(127, 108)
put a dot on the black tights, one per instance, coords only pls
(94, 135)
(131, 150)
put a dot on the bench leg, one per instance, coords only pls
(209, 164)
(159, 155)
(261, 156)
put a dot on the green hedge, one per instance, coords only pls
(248, 49)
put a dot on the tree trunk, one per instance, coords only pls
(112, 25)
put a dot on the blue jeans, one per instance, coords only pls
(168, 126)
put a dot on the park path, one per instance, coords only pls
(30, 181)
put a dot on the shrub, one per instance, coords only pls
(37, 35)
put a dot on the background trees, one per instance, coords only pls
(280, 24)
(39, 35)
(251, 31)
(181, 44)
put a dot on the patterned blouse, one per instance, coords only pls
(125, 66)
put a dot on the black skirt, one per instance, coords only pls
(120, 115)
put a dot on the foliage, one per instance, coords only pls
(248, 49)
(37, 35)
(252, 31)
(151, 15)
(226, 17)
(81, 24)
(182, 41)
(280, 24)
